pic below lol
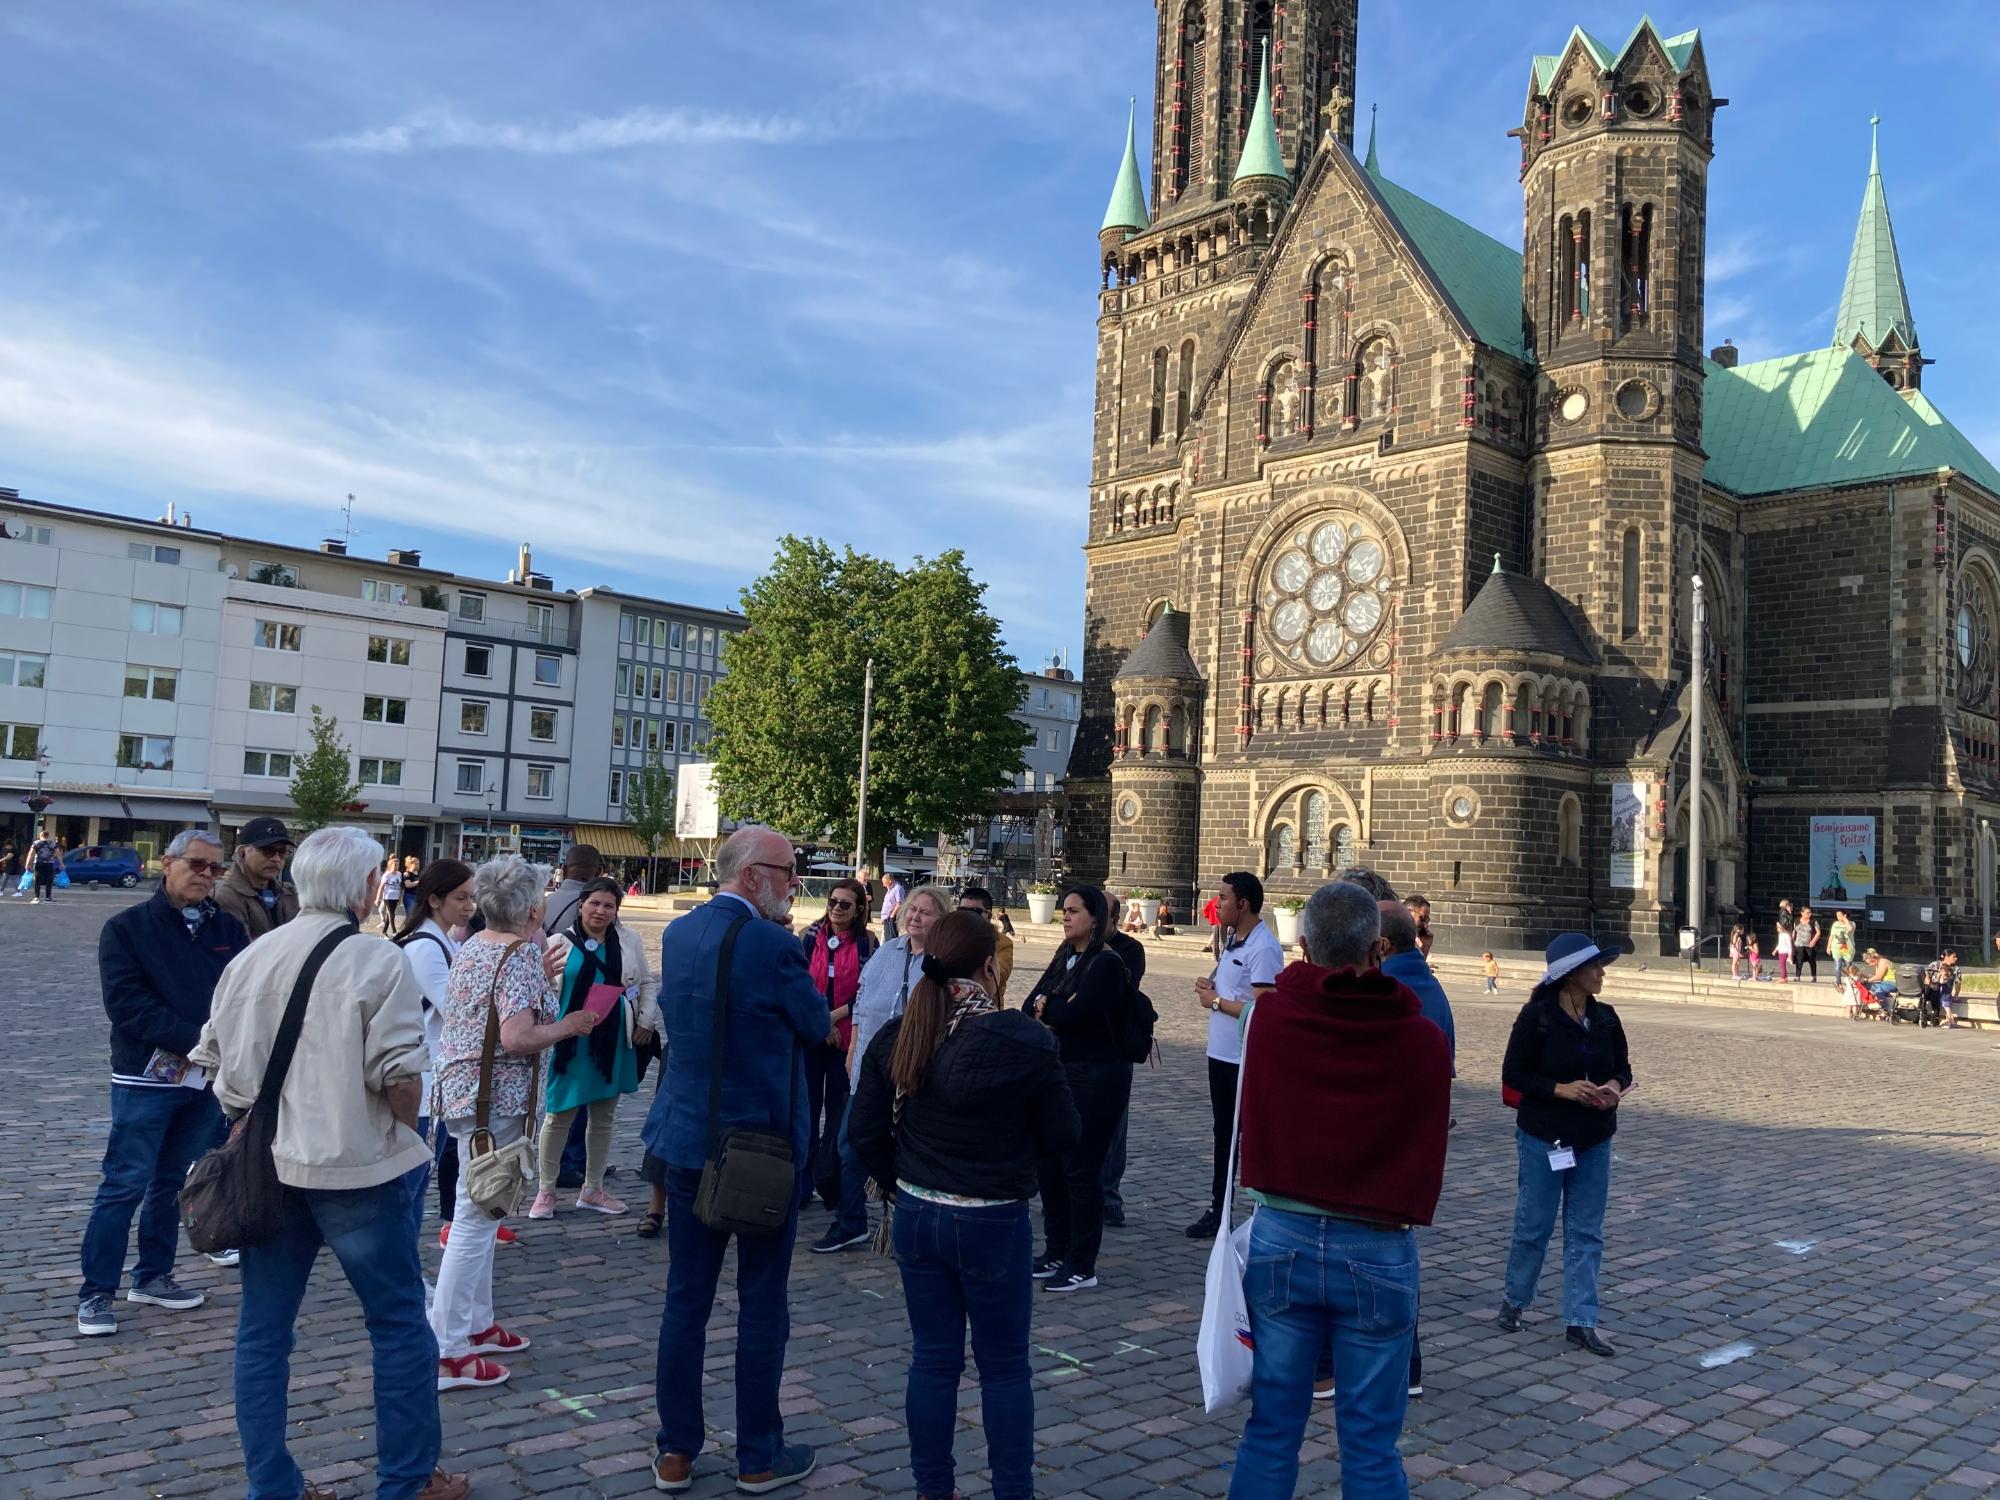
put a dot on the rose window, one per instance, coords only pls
(1323, 594)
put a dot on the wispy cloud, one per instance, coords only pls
(444, 129)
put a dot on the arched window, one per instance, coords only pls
(1635, 259)
(1569, 830)
(1190, 68)
(1628, 605)
(1177, 733)
(1373, 382)
(1184, 397)
(1149, 742)
(1280, 849)
(1156, 428)
(1972, 638)
(1343, 848)
(1492, 710)
(1313, 817)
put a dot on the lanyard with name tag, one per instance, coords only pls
(1561, 1157)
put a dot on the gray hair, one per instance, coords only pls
(332, 868)
(739, 850)
(508, 889)
(1340, 924)
(1369, 881)
(187, 838)
(934, 898)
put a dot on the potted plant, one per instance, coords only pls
(1285, 918)
(1041, 901)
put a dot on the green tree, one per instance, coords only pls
(321, 788)
(649, 808)
(787, 716)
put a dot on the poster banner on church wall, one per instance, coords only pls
(696, 812)
(1841, 859)
(1628, 835)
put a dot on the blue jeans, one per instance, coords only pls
(1580, 1192)
(156, 1134)
(367, 1230)
(853, 1215)
(960, 1266)
(763, 1325)
(417, 1181)
(1311, 1278)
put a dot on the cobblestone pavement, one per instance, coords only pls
(1819, 1191)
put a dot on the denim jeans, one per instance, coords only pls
(1114, 1165)
(968, 1266)
(1580, 1192)
(367, 1230)
(1312, 1278)
(763, 1325)
(853, 1215)
(417, 1181)
(1073, 1184)
(156, 1134)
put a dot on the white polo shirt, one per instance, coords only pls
(1243, 966)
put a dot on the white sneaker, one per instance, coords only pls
(35, 901)
(227, 1257)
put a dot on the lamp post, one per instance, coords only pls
(491, 790)
(1986, 885)
(1697, 678)
(861, 815)
(38, 802)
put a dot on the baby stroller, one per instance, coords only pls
(1862, 1003)
(1908, 1002)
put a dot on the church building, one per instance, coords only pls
(1394, 528)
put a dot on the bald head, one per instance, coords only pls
(1399, 927)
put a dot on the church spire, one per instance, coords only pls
(1874, 317)
(1374, 167)
(1127, 208)
(1261, 156)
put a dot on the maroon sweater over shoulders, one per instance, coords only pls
(1346, 1095)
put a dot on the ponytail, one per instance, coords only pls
(957, 946)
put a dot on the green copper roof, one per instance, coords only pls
(1482, 275)
(1373, 166)
(1261, 156)
(1678, 48)
(1807, 421)
(1127, 208)
(1874, 303)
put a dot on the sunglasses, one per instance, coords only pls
(204, 867)
(840, 906)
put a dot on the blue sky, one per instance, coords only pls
(648, 284)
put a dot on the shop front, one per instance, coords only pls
(86, 817)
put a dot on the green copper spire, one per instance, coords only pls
(1873, 303)
(1127, 208)
(1374, 167)
(1261, 156)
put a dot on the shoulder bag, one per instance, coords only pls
(496, 1176)
(232, 1198)
(750, 1181)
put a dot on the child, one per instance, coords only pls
(1736, 953)
(1492, 974)
(1756, 957)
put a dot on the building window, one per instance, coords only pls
(541, 783)
(701, 702)
(653, 734)
(1313, 817)
(1156, 423)
(677, 635)
(707, 641)
(381, 772)
(271, 635)
(472, 607)
(267, 763)
(19, 669)
(687, 687)
(472, 776)
(20, 531)
(147, 552)
(1569, 831)
(381, 591)
(20, 741)
(617, 788)
(645, 631)
(617, 731)
(541, 723)
(379, 710)
(478, 661)
(31, 603)
(472, 716)
(687, 736)
(272, 698)
(145, 752)
(673, 687)
(659, 679)
(625, 628)
(638, 731)
(149, 618)
(541, 620)
(274, 575)
(548, 669)
(1281, 850)
(388, 648)
(1628, 612)
(624, 679)
(148, 682)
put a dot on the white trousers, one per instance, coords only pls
(463, 1303)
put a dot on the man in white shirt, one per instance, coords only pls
(1247, 967)
(892, 904)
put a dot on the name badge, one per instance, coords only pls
(1561, 1158)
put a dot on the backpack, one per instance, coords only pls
(1512, 1097)
(1133, 1030)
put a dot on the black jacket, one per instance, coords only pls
(1548, 1048)
(1131, 951)
(994, 1103)
(158, 978)
(1083, 1004)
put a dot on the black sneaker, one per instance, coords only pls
(837, 1238)
(1588, 1339)
(1509, 1320)
(164, 1291)
(569, 1180)
(1069, 1281)
(1204, 1228)
(94, 1316)
(1046, 1267)
(1114, 1218)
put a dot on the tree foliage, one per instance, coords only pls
(649, 803)
(321, 787)
(787, 715)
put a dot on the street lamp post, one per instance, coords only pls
(1986, 885)
(491, 790)
(1697, 678)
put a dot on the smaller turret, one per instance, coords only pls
(1874, 319)
(1125, 215)
(1263, 160)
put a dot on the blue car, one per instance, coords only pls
(104, 864)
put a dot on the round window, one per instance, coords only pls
(1128, 809)
(1325, 592)
(1461, 807)
(1574, 405)
(1635, 401)
(1642, 99)
(1577, 110)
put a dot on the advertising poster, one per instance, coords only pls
(696, 813)
(1841, 859)
(1628, 835)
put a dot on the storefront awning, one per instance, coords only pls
(167, 810)
(612, 840)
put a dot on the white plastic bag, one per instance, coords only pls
(1223, 1347)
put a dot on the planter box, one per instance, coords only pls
(1041, 906)
(1285, 922)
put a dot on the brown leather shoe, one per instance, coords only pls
(320, 1492)
(445, 1486)
(673, 1472)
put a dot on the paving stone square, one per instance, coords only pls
(1874, 1331)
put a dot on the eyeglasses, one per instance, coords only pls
(204, 866)
(840, 906)
(785, 870)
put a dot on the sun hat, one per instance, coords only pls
(1571, 951)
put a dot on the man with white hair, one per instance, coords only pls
(346, 1136)
(158, 963)
(772, 1013)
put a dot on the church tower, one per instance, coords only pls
(1874, 319)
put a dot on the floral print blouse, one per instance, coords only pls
(523, 986)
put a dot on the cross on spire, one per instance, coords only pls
(1336, 107)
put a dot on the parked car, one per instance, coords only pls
(104, 864)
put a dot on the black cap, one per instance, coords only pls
(262, 833)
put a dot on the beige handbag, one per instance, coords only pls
(496, 1177)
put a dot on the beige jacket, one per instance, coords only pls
(363, 1031)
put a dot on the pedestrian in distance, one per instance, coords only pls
(346, 1143)
(1568, 1065)
(500, 1004)
(10, 869)
(392, 894)
(429, 937)
(1082, 997)
(1805, 944)
(604, 970)
(254, 891)
(1132, 953)
(837, 948)
(1490, 967)
(158, 964)
(893, 896)
(45, 859)
(771, 1013)
(1247, 966)
(1420, 911)
(1782, 938)
(413, 871)
(1333, 1253)
(958, 1102)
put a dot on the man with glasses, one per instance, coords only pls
(158, 963)
(978, 898)
(254, 891)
